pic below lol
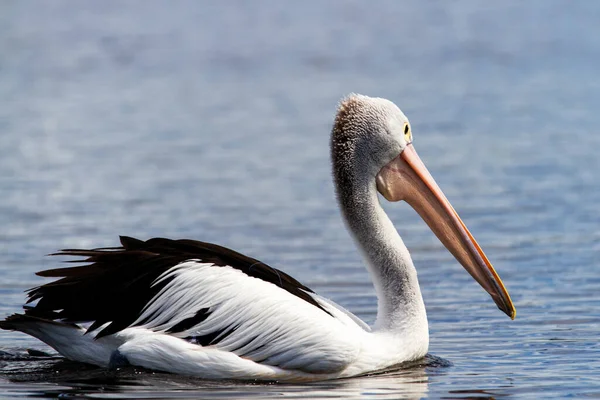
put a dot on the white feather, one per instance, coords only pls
(269, 322)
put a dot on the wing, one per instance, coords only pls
(205, 294)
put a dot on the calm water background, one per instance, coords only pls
(211, 121)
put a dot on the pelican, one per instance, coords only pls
(196, 308)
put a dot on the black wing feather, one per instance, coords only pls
(116, 285)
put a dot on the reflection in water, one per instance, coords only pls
(48, 376)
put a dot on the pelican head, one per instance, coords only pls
(374, 135)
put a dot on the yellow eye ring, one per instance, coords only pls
(407, 133)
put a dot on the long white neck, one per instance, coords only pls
(400, 303)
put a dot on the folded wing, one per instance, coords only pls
(204, 294)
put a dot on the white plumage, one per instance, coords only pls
(278, 336)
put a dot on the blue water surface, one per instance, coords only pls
(211, 120)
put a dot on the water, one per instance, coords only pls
(211, 121)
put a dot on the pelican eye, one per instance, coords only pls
(407, 133)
